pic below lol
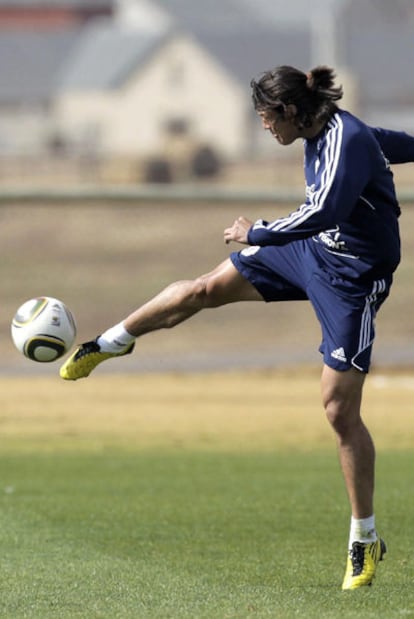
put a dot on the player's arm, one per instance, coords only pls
(344, 171)
(397, 146)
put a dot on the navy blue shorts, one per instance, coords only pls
(346, 309)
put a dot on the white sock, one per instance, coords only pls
(116, 339)
(362, 530)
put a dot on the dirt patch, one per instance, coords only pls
(225, 411)
(106, 259)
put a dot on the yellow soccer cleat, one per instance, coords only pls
(85, 359)
(362, 563)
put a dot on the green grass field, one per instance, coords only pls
(183, 497)
(186, 496)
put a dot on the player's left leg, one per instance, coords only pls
(341, 395)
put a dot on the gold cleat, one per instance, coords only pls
(85, 359)
(362, 563)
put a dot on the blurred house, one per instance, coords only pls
(139, 93)
(146, 79)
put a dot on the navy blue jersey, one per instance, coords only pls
(350, 216)
(397, 146)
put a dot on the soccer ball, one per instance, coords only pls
(43, 329)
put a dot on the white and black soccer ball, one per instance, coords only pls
(43, 329)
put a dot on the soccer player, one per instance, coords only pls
(338, 250)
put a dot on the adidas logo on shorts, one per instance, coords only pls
(339, 354)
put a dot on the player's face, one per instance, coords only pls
(282, 127)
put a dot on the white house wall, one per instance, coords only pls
(179, 81)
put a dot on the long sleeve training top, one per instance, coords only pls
(350, 216)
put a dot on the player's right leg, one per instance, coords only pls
(173, 305)
(183, 299)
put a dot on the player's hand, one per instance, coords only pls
(238, 231)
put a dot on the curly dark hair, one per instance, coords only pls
(314, 93)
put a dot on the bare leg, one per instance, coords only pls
(185, 298)
(342, 394)
(173, 305)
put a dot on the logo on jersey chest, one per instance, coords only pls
(331, 238)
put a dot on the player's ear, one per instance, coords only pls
(291, 111)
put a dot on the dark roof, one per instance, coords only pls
(105, 56)
(239, 42)
(30, 62)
